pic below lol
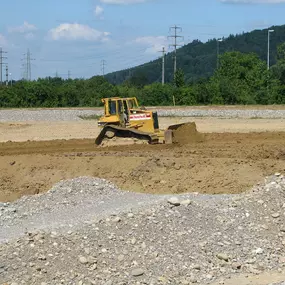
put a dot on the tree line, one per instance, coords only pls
(242, 78)
(199, 60)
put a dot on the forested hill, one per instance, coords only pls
(199, 60)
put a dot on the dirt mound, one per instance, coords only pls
(221, 163)
(186, 133)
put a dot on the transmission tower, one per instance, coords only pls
(175, 45)
(163, 66)
(69, 74)
(27, 66)
(2, 63)
(103, 64)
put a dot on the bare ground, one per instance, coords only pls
(231, 159)
(41, 131)
(221, 163)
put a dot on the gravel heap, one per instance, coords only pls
(44, 115)
(183, 239)
(73, 115)
(75, 201)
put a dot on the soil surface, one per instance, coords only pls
(88, 129)
(221, 163)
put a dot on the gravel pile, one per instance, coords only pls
(222, 113)
(74, 115)
(183, 239)
(44, 115)
(67, 204)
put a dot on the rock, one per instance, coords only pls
(116, 219)
(177, 167)
(275, 215)
(186, 202)
(236, 265)
(130, 215)
(222, 256)
(83, 260)
(174, 201)
(197, 267)
(42, 257)
(133, 241)
(259, 251)
(121, 257)
(93, 267)
(137, 272)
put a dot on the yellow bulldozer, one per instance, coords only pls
(124, 118)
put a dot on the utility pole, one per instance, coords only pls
(268, 49)
(1, 63)
(163, 66)
(103, 64)
(7, 75)
(218, 52)
(175, 45)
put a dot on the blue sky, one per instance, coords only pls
(75, 35)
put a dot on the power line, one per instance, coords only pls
(163, 67)
(103, 64)
(2, 63)
(175, 45)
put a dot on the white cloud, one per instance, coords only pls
(120, 2)
(77, 31)
(29, 36)
(98, 11)
(25, 28)
(152, 44)
(3, 41)
(253, 1)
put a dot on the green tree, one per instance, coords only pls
(240, 79)
(179, 78)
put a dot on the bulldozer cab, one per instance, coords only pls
(115, 106)
(118, 110)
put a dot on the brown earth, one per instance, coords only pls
(42, 131)
(221, 163)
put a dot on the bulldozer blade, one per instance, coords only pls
(183, 133)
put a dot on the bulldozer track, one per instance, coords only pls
(126, 133)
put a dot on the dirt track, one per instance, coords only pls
(222, 163)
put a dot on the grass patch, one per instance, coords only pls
(90, 117)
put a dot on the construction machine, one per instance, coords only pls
(124, 118)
